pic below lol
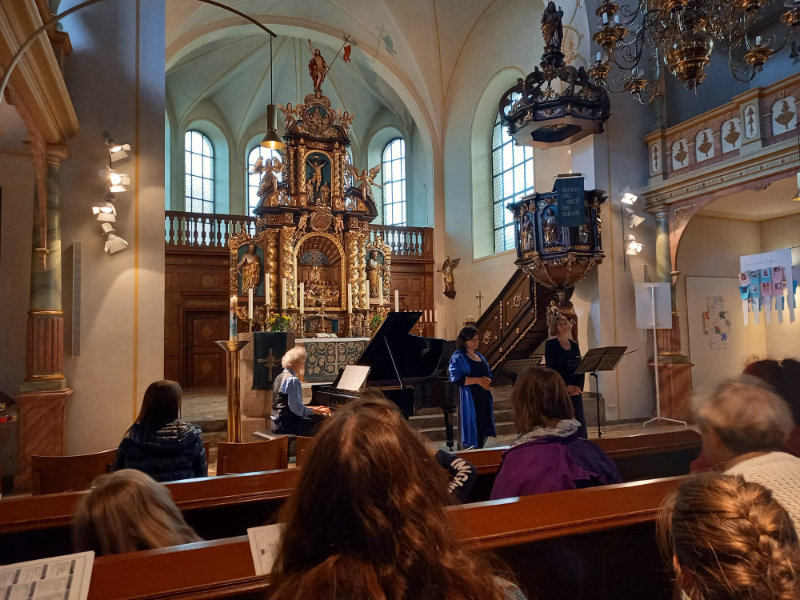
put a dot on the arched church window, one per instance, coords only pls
(512, 178)
(199, 155)
(393, 168)
(254, 179)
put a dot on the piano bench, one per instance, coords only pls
(266, 434)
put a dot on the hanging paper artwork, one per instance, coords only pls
(767, 283)
(716, 323)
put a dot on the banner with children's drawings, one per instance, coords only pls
(768, 282)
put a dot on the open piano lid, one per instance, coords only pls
(414, 356)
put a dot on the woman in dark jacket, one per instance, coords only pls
(159, 443)
(562, 354)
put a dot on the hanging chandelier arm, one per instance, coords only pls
(56, 18)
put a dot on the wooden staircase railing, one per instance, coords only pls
(515, 323)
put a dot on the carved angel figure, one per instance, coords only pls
(447, 275)
(291, 114)
(345, 120)
(272, 169)
(366, 179)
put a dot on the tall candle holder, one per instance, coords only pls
(232, 348)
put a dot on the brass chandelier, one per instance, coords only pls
(681, 34)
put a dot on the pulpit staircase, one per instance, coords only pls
(512, 328)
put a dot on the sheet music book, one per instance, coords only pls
(264, 546)
(353, 378)
(58, 578)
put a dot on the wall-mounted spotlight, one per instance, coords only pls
(632, 247)
(634, 220)
(116, 150)
(105, 211)
(628, 197)
(117, 181)
(114, 243)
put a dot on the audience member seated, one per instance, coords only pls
(728, 539)
(744, 429)
(548, 455)
(783, 378)
(367, 518)
(128, 511)
(159, 443)
(289, 414)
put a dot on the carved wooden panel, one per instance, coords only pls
(205, 359)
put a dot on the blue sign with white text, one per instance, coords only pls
(569, 198)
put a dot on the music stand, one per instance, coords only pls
(600, 359)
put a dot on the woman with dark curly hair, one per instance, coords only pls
(470, 371)
(729, 539)
(367, 519)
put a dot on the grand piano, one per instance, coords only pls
(410, 370)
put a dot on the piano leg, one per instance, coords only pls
(448, 426)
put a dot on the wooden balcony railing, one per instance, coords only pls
(214, 231)
(210, 231)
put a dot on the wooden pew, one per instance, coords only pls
(644, 456)
(606, 533)
(38, 526)
(218, 507)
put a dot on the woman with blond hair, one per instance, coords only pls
(729, 539)
(159, 443)
(562, 354)
(289, 414)
(128, 511)
(548, 455)
(367, 519)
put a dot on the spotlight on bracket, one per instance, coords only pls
(632, 247)
(628, 197)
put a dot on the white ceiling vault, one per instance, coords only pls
(404, 56)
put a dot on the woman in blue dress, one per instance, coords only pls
(471, 372)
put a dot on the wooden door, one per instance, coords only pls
(205, 360)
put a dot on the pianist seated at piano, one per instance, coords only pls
(289, 414)
(548, 455)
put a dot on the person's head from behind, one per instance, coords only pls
(126, 511)
(739, 418)
(467, 334)
(540, 399)
(295, 360)
(730, 539)
(367, 512)
(783, 377)
(161, 403)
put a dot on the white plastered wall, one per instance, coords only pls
(122, 299)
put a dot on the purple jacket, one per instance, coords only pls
(552, 463)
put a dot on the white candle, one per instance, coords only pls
(396, 301)
(435, 317)
(250, 304)
(380, 292)
(267, 291)
(232, 327)
(302, 297)
(349, 297)
(366, 301)
(283, 294)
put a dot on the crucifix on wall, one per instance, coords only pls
(479, 298)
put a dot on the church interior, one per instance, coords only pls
(398, 186)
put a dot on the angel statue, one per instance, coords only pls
(447, 275)
(291, 114)
(272, 168)
(366, 179)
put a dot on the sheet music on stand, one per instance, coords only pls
(605, 358)
(353, 378)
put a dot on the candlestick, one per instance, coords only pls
(396, 301)
(267, 291)
(380, 292)
(350, 298)
(232, 328)
(250, 304)
(302, 297)
(366, 302)
(283, 294)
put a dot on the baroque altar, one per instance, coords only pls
(311, 258)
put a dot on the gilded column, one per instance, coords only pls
(287, 265)
(362, 268)
(272, 268)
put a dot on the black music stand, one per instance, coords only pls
(600, 359)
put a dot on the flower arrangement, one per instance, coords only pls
(375, 321)
(278, 322)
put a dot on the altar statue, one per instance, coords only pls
(374, 273)
(318, 69)
(447, 276)
(366, 179)
(249, 268)
(552, 29)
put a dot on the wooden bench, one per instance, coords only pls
(606, 535)
(645, 456)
